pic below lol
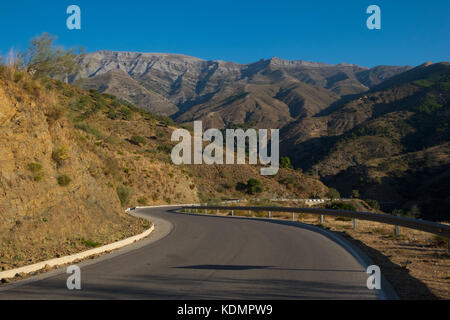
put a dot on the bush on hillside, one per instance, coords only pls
(43, 59)
(60, 154)
(64, 180)
(333, 194)
(124, 194)
(253, 186)
(341, 206)
(138, 140)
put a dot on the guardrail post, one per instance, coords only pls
(293, 216)
(355, 224)
(397, 231)
(322, 219)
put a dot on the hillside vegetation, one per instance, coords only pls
(391, 144)
(72, 160)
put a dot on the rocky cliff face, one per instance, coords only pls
(60, 191)
(178, 78)
(184, 85)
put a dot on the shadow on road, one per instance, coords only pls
(244, 267)
(191, 286)
(406, 286)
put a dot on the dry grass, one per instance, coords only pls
(416, 263)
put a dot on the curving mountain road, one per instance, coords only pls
(210, 257)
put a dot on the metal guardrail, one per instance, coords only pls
(422, 225)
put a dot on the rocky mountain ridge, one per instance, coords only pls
(173, 84)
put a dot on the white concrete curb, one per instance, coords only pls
(78, 256)
(85, 254)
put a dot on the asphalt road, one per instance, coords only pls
(210, 257)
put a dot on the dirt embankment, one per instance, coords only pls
(50, 204)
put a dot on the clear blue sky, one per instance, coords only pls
(242, 31)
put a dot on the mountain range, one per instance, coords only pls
(187, 87)
(370, 131)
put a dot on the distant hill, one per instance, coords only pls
(391, 144)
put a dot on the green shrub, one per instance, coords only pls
(38, 176)
(285, 162)
(333, 194)
(34, 167)
(164, 148)
(252, 186)
(89, 129)
(43, 59)
(124, 194)
(81, 104)
(64, 180)
(429, 105)
(125, 113)
(289, 182)
(341, 206)
(60, 154)
(373, 203)
(90, 243)
(138, 140)
(423, 83)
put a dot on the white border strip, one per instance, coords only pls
(8, 274)
(77, 256)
